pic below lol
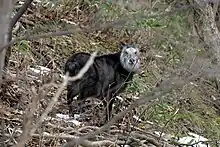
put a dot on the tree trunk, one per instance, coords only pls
(207, 30)
(5, 11)
(15, 19)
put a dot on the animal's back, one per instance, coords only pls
(100, 74)
(99, 77)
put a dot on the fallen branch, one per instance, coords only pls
(85, 143)
(196, 143)
(147, 138)
(88, 127)
(68, 137)
(144, 132)
(60, 127)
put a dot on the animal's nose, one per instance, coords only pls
(131, 61)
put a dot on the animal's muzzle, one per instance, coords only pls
(131, 61)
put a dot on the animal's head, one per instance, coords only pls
(130, 57)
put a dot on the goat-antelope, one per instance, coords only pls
(107, 77)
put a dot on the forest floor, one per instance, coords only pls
(194, 108)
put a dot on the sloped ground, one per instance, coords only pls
(188, 110)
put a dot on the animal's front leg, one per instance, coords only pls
(69, 101)
(80, 102)
(72, 91)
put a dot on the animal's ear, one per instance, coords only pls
(121, 44)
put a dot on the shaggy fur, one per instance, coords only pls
(106, 78)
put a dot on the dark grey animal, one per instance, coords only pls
(107, 77)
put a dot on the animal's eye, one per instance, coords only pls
(135, 52)
(126, 53)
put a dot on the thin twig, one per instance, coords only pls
(146, 98)
(120, 22)
(85, 143)
(55, 98)
(14, 20)
(172, 117)
(21, 11)
(29, 119)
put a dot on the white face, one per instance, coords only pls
(130, 58)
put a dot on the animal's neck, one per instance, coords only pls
(116, 58)
(125, 72)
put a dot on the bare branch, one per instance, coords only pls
(21, 11)
(120, 22)
(28, 120)
(5, 11)
(155, 94)
(55, 98)
(14, 20)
